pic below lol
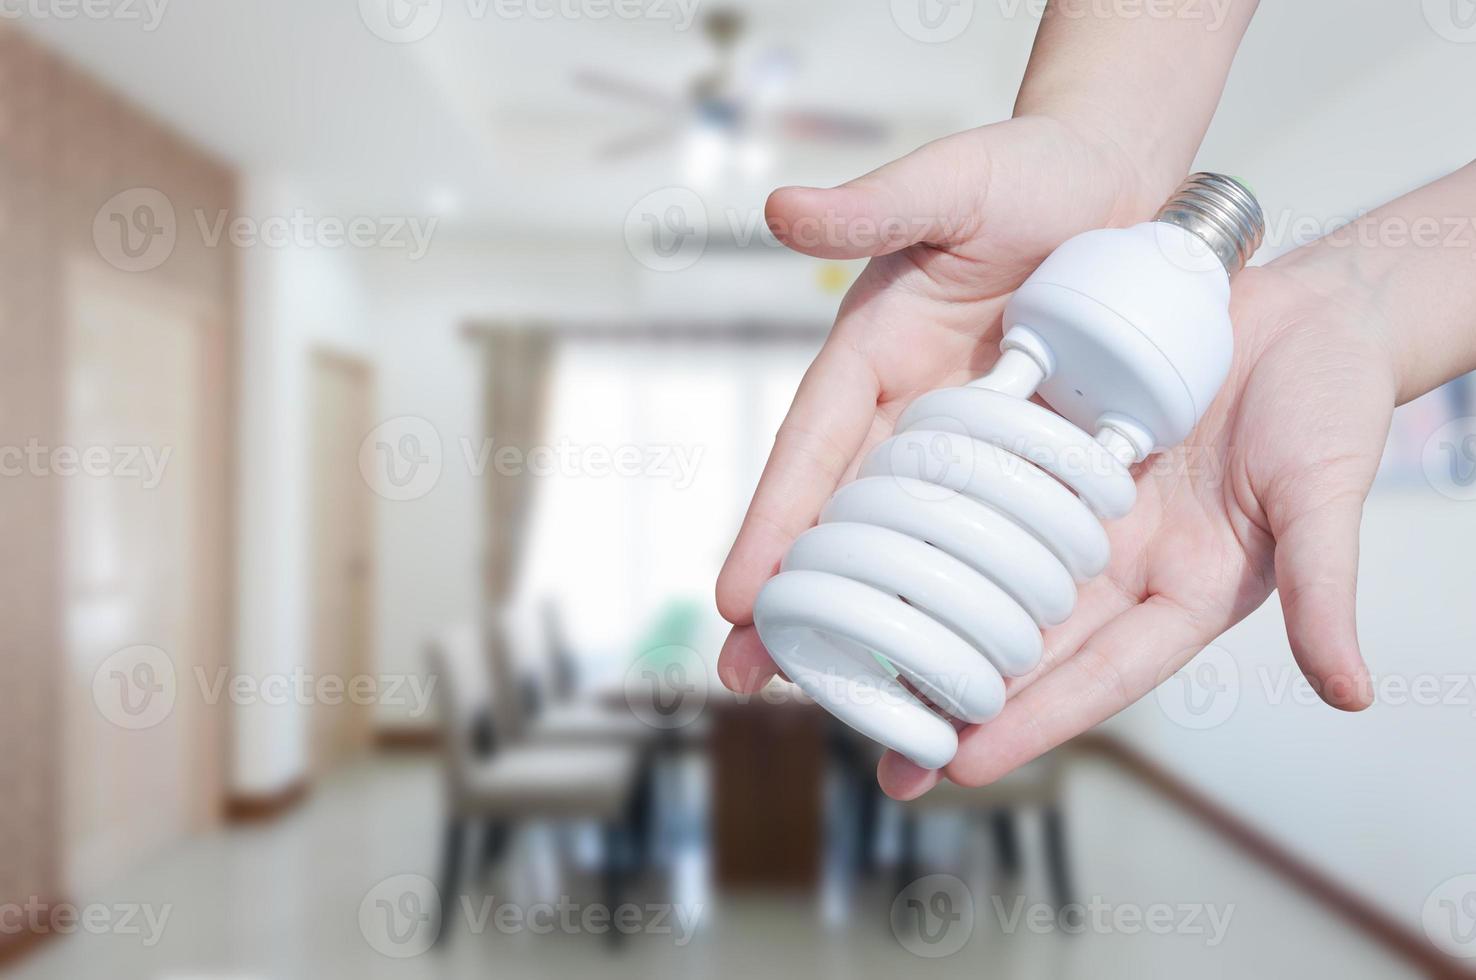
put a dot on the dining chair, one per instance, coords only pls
(498, 784)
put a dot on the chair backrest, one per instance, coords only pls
(563, 666)
(464, 697)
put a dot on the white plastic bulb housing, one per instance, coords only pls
(1132, 326)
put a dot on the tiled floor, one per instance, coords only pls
(285, 901)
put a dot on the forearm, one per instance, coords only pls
(1144, 74)
(1412, 265)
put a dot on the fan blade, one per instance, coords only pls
(819, 124)
(626, 90)
(639, 141)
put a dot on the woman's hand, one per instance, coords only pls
(953, 228)
(1266, 493)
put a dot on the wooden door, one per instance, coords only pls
(143, 755)
(342, 536)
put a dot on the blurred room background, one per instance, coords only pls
(384, 381)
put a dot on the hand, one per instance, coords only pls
(953, 228)
(1267, 491)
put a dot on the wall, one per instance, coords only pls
(294, 299)
(429, 369)
(67, 147)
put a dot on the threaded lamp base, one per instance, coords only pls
(1222, 212)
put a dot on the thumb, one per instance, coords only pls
(1316, 574)
(918, 198)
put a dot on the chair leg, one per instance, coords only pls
(495, 835)
(451, 854)
(1006, 840)
(643, 812)
(907, 850)
(867, 817)
(614, 878)
(1056, 856)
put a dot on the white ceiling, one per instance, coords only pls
(484, 109)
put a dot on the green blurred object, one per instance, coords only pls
(673, 631)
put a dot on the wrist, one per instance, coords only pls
(1141, 174)
(1336, 281)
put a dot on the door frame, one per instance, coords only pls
(319, 358)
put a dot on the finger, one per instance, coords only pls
(744, 666)
(1099, 602)
(1118, 665)
(832, 413)
(919, 198)
(903, 779)
(1317, 576)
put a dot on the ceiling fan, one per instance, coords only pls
(729, 101)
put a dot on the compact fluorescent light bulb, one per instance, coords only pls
(959, 540)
